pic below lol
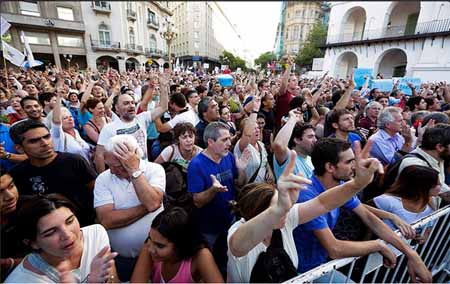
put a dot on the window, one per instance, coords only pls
(151, 17)
(131, 35)
(65, 13)
(104, 35)
(29, 8)
(37, 38)
(196, 34)
(196, 44)
(102, 4)
(152, 42)
(69, 40)
(295, 34)
(298, 13)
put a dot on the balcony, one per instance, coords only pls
(131, 15)
(101, 7)
(154, 52)
(424, 29)
(152, 23)
(105, 46)
(134, 48)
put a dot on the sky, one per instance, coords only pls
(256, 22)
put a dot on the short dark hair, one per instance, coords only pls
(37, 207)
(189, 93)
(178, 99)
(262, 82)
(28, 98)
(200, 89)
(203, 106)
(92, 103)
(18, 129)
(437, 116)
(413, 101)
(327, 150)
(182, 128)
(298, 132)
(46, 97)
(439, 134)
(173, 87)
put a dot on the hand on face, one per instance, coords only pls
(365, 167)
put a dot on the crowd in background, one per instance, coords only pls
(185, 176)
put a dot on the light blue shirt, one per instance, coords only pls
(302, 165)
(385, 146)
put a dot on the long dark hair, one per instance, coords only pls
(176, 225)
(37, 207)
(414, 183)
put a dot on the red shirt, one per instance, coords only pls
(282, 107)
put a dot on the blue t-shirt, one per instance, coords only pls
(310, 251)
(8, 146)
(302, 165)
(215, 216)
(352, 138)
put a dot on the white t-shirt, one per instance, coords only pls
(63, 142)
(110, 189)
(95, 238)
(254, 162)
(176, 156)
(187, 116)
(394, 205)
(240, 268)
(136, 128)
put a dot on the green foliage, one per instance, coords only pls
(233, 62)
(266, 57)
(311, 49)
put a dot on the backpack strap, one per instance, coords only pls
(277, 240)
(171, 154)
(417, 155)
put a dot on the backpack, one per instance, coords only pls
(273, 265)
(381, 182)
(176, 186)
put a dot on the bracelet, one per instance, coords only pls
(254, 111)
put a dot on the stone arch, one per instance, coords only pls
(401, 18)
(345, 62)
(392, 63)
(353, 24)
(132, 64)
(105, 61)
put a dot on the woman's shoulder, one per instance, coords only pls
(22, 275)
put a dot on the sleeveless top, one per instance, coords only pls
(183, 275)
(92, 124)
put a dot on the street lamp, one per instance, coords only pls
(168, 33)
(68, 58)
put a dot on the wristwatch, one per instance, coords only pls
(137, 174)
(7, 156)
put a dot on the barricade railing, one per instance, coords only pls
(435, 252)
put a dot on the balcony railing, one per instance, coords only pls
(102, 45)
(131, 15)
(134, 48)
(101, 6)
(153, 23)
(151, 52)
(436, 26)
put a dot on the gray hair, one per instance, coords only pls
(418, 115)
(437, 116)
(372, 104)
(386, 116)
(212, 131)
(127, 139)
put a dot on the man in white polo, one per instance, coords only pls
(127, 197)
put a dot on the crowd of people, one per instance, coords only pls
(177, 176)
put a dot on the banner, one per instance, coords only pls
(403, 85)
(4, 26)
(359, 74)
(28, 53)
(12, 55)
(317, 64)
(384, 85)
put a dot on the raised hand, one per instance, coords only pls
(296, 114)
(102, 266)
(243, 160)
(365, 167)
(65, 274)
(216, 185)
(289, 185)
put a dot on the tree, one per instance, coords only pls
(311, 49)
(233, 62)
(266, 57)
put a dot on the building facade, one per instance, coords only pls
(195, 43)
(54, 29)
(296, 20)
(394, 38)
(124, 35)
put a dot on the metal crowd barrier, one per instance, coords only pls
(435, 252)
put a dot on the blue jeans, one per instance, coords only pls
(218, 245)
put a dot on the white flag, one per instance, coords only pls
(27, 51)
(13, 55)
(4, 27)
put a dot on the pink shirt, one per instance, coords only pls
(183, 275)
